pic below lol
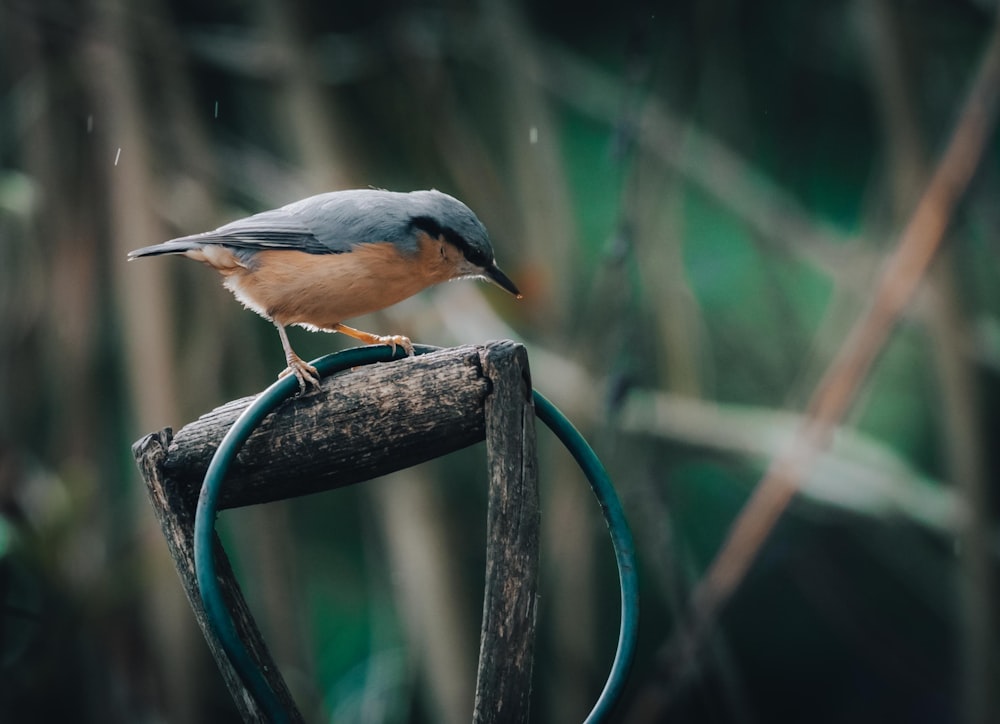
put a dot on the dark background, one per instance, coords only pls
(696, 200)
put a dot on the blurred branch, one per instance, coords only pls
(901, 275)
(960, 424)
(313, 124)
(341, 58)
(423, 560)
(858, 473)
(537, 175)
(679, 327)
(703, 160)
(140, 294)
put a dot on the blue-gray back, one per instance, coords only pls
(335, 222)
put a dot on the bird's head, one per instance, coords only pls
(466, 243)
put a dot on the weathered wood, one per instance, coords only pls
(360, 424)
(506, 649)
(175, 511)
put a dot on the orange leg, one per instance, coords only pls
(369, 338)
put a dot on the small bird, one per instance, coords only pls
(339, 255)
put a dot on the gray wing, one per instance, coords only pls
(330, 223)
(268, 230)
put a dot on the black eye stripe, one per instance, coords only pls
(427, 225)
(434, 229)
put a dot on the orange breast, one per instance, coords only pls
(322, 290)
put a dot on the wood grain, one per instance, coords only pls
(507, 639)
(360, 424)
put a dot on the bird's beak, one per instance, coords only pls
(503, 281)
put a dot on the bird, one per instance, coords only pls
(328, 258)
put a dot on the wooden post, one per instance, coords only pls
(361, 424)
(174, 508)
(506, 646)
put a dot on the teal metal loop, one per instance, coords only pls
(621, 539)
(217, 614)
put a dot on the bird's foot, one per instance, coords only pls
(393, 340)
(307, 375)
(396, 339)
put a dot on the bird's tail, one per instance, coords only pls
(177, 246)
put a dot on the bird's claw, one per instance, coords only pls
(397, 339)
(305, 373)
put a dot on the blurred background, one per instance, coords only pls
(696, 200)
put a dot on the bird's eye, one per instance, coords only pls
(444, 254)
